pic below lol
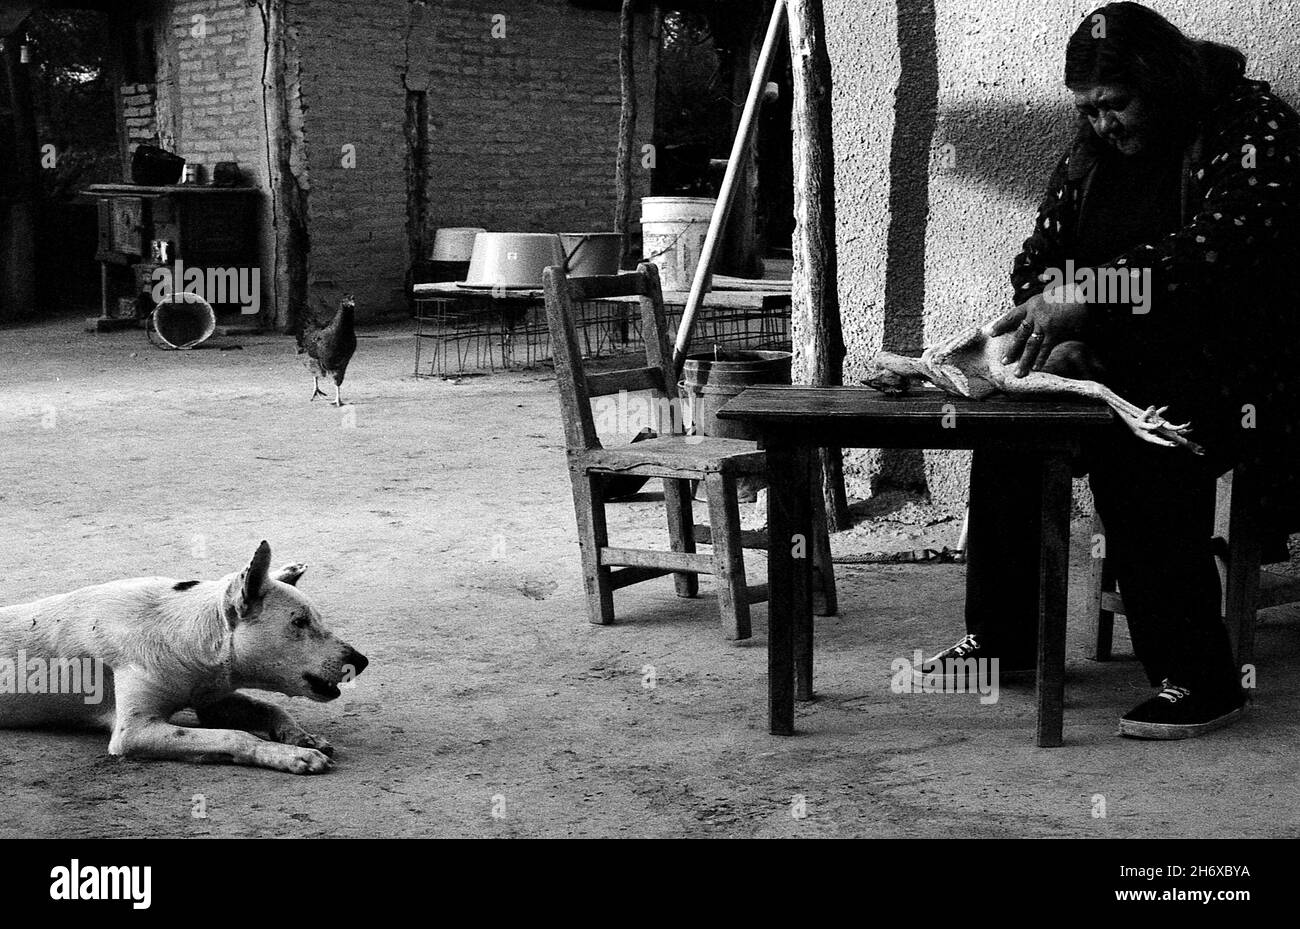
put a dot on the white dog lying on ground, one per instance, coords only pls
(160, 646)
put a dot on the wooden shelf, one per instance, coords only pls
(143, 190)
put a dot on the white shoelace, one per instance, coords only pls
(965, 646)
(1172, 692)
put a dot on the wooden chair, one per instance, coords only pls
(674, 457)
(1247, 587)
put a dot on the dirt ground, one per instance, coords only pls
(437, 522)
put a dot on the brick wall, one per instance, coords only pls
(209, 83)
(522, 129)
(138, 114)
(352, 60)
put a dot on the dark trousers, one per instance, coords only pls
(1157, 507)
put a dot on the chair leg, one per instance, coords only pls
(728, 555)
(593, 535)
(1241, 592)
(681, 531)
(1105, 638)
(1100, 581)
(825, 596)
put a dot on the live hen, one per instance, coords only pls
(329, 348)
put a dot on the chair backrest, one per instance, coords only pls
(577, 388)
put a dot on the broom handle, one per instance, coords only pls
(739, 151)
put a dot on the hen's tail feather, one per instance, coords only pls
(308, 326)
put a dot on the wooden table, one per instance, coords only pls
(793, 422)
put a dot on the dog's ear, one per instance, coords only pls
(290, 573)
(252, 580)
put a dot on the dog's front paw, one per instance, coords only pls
(307, 740)
(308, 761)
(291, 734)
(289, 758)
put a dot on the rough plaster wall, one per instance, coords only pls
(522, 134)
(862, 40)
(1001, 118)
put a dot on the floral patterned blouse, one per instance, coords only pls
(1228, 280)
(1231, 269)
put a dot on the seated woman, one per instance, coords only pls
(1185, 175)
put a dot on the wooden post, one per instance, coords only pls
(290, 241)
(626, 127)
(120, 31)
(815, 324)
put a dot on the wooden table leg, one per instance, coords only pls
(803, 545)
(1053, 592)
(1241, 590)
(984, 530)
(789, 583)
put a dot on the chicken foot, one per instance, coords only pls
(1148, 425)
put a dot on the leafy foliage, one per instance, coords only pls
(74, 101)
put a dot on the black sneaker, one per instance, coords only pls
(1179, 713)
(952, 661)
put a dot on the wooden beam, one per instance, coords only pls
(603, 287)
(604, 383)
(626, 577)
(626, 127)
(815, 323)
(120, 31)
(758, 593)
(664, 561)
(285, 156)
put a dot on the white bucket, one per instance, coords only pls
(588, 254)
(513, 260)
(454, 243)
(673, 230)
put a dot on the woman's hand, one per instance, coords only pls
(1040, 324)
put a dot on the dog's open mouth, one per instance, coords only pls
(321, 688)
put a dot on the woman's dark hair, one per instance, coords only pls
(1129, 45)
